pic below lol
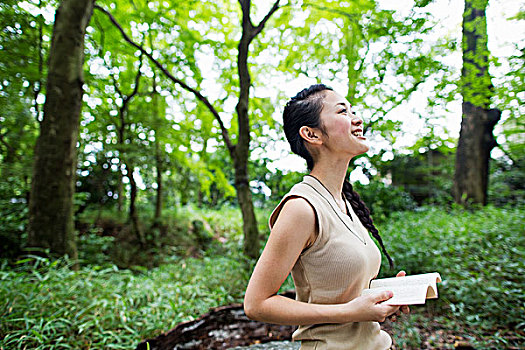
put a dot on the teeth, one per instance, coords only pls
(357, 133)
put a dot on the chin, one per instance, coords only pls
(363, 149)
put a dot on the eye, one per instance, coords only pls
(344, 111)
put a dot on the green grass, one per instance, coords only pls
(481, 258)
(47, 305)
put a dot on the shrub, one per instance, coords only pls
(382, 200)
(479, 254)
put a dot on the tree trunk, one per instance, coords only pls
(476, 141)
(158, 201)
(121, 129)
(244, 196)
(158, 150)
(242, 151)
(120, 190)
(133, 217)
(476, 138)
(51, 207)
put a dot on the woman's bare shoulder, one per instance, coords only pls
(298, 207)
(297, 216)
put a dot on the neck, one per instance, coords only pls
(332, 176)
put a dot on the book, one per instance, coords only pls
(408, 290)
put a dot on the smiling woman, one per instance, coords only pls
(320, 233)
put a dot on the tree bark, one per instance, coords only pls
(476, 138)
(158, 199)
(133, 216)
(51, 207)
(476, 141)
(241, 152)
(158, 151)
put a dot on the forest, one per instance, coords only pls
(142, 152)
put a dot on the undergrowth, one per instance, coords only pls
(480, 255)
(45, 304)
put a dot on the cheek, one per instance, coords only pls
(342, 126)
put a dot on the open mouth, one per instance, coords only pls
(357, 133)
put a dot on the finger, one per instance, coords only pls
(401, 274)
(383, 296)
(393, 310)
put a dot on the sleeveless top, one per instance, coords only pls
(333, 270)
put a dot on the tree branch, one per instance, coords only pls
(128, 98)
(197, 94)
(328, 9)
(246, 20)
(394, 105)
(260, 27)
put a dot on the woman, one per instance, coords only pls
(318, 233)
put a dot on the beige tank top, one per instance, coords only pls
(334, 270)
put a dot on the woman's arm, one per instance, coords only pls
(294, 229)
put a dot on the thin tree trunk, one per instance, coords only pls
(120, 188)
(51, 207)
(242, 152)
(158, 151)
(476, 138)
(158, 200)
(37, 86)
(121, 130)
(133, 216)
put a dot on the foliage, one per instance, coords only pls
(507, 183)
(102, 306)
(45, 303)
(383, 200)
(510, 99)
(13, 221)
(479, 255)
(426, 174)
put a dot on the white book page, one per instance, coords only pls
(403, 295)
(408, 290)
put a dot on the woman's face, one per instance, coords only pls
(343, 127)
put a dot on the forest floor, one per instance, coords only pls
(113, 301)
(231, 329)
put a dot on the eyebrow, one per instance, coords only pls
(343, 104)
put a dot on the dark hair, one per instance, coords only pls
(304, 109)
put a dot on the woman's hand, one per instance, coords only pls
(404, 308)
(369, 307)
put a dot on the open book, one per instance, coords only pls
(408, 290)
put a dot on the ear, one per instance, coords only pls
(311, 135)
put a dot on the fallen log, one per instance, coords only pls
(221, 328)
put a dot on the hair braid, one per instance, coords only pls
(363, 213)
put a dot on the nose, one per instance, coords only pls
(357, 121)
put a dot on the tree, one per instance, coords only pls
(51, 205)
(240, 151)
(476, 139)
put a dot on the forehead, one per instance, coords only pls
(333, 100)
